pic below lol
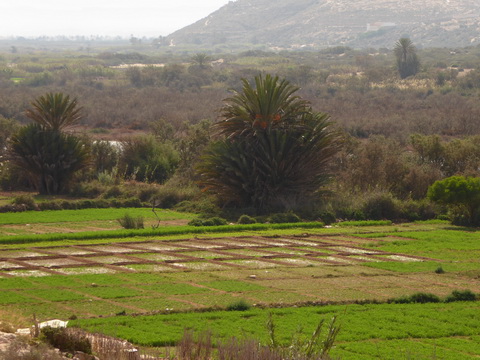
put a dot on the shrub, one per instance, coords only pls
(288, 217)
(113, 192)
(67, 340)
(86, 190)
(465, 295)
(419, 298)
(169, 196)
(130, 222)
(145, 159)
(213, 221)
(26, 200)
(381, 206)
(205, 206)
(240, 305)
(50, 205)
(439, 270)
(245, 219)
(328, 217)
(131, 202)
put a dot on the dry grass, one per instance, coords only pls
(10, 321)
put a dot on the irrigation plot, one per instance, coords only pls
(151, 276)
(193, 254)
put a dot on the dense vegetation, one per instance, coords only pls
(399, 135)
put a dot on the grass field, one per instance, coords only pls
(161, 277)
(38, 222)
(415, 331)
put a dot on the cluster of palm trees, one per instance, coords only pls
(272, 151)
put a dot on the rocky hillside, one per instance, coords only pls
(321, 23)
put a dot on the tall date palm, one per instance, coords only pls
(49, 157)
(407, 59)
(275, 151)
(55, 111)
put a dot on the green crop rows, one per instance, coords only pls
(367, 331)
(386, 331)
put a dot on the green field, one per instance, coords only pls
(148, 286)
(417, 331)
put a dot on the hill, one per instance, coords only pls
(321, 23)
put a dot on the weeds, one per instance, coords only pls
(130, 222)
(315, 347)
(465, 295)
(240, 305)
(423, 298)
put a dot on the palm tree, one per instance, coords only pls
(48, 157)
(270, 104)
(407, 59)
(55, 111)
(201, 59)
(275, 152)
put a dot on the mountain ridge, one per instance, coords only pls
(323, 23)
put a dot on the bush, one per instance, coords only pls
(205, 206)
(132, 202)
(143, 158)
(245, 219)
(213, 221)
(67, 340)
(130, 222)
(381, 206)
(113, 192)
(465, 295)
(26, 200)
(419, 298)
(328, 217)
(240, 305)
(288, 217)
(50, 205)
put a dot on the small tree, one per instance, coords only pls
(462, 195)
(407, 59)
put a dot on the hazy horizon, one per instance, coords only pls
(149, 18)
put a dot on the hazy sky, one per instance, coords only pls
(99, 17)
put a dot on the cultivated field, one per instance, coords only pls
(343, 271)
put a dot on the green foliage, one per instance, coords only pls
(276, 149)
(48, 157)
(311, 348)
(7, 128)
(55, 111)
(407, 60)
(381, 206)
(66, 340)
(288, 217)
(105, 157)
(26, 200)
(130, 222)
(143, 158)
(240, 305)
(417, 298)
(213, 221)
(462, 194)
(246, 219)
(465, 295)
(363, 324)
